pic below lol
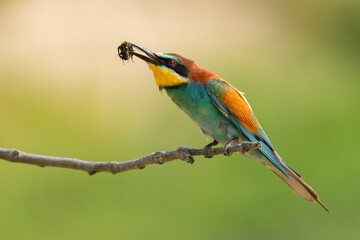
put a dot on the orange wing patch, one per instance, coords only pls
(238, 106)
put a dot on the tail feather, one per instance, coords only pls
(301, 188)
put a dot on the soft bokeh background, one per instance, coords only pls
(64, 92)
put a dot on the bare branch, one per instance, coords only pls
(183, 153)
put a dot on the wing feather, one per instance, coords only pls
(234, 106)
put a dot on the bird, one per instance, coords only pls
(219, 109)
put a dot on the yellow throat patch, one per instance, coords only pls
(166, 78)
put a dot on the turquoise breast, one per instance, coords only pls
(194, 100)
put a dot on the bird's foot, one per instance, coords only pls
(229, 144)
(207, 149)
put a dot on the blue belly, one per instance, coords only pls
(194, 100)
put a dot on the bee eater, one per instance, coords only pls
(221, 111)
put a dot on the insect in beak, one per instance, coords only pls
(125, 51)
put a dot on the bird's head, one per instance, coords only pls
(169, 69)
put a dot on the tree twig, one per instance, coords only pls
(183, 153)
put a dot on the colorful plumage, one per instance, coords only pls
(221, 111)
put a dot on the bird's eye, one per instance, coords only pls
(171, 62)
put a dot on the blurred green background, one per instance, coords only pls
(64, 92)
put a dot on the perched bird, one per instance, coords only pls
(221, 111)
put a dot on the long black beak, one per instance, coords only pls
(126, 51)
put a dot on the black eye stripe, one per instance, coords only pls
(181, 70)
(176, 66)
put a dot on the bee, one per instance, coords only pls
(125, 51)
